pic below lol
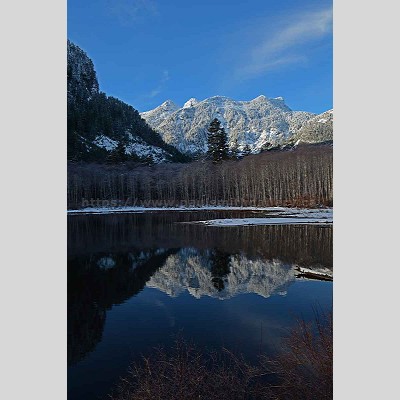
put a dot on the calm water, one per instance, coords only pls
(135, 281)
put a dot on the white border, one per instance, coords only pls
(366, 154)
(33, 283)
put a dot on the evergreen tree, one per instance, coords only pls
(217, 142)
(118, 154)
(220, 268)
(246, 150)
(148, 160)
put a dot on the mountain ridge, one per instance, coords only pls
(261, 123)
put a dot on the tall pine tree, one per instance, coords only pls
(217, 142)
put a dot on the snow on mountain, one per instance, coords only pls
(105, 142)
(135, 146)
(139, 147)
(317, 129)
(260, 123)
(161, 112)
(190, 103)
(191, 270)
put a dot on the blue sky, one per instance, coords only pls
(148, 51)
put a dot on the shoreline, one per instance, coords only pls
(119, 210)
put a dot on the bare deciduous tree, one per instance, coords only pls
(301, 177)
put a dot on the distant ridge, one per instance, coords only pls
(261, 124)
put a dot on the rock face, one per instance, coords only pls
(260, 124)
(81, 77)
(99, 125)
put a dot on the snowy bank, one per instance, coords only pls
(272, 211)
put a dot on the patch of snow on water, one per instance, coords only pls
(316, 271)
(265, 221)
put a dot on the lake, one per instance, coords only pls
(136, 281)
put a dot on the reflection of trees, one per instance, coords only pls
(305, 245)
(93, 289)
(219, 261)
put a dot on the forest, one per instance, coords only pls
(106, 114)
(300, 177)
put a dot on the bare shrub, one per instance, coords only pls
(187, 374)
(305, 366)
(303, 370)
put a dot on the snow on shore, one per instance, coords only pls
(272, 211)
(113, 210)
(273, 215)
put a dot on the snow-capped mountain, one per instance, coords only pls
(260, 123)
(102, 127)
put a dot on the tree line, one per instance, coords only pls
(300, 177)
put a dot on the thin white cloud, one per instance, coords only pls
(164, 79)
(288, 44)
(129, 11)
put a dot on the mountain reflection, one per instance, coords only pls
(113, 258)
(216, 274)
(95, 284)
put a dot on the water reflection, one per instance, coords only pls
(220, 275)
(95, 284)
(302, 244)
(113, 258)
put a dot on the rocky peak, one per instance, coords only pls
(82, 81)
(190, 103)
